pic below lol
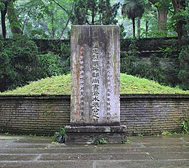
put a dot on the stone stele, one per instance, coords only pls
(95, 77)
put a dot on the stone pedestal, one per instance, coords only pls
(88, 134)
(95, 77)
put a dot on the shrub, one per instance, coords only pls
(21, 62)
(50, 65)
(163, 70)
(18, 62)
(60, 136)
(184, 67)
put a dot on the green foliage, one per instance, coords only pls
(124, 141)
(54, 143)
(185, 124)
(140, 135)
(94, 12)
(184, 67)
(53, 18)
(50, 65)
(108, 13)
(171, 70)
(63, 50)
(132, 9)
(128, 64)
(2, 5)
(79, 15)
(166, 133)
(162, 3)
(157, 33)
(128, 60)
(183, 15)
(98, 141)
(122, 32)
(21, 62)
(45, 18)
(150, 69)
(62, 85)
(133, 49)
(60, 136)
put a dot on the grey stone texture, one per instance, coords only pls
(43, 115)
(146, 152)
(88, 134)
(95, 69)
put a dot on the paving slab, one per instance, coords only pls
(17, 157)
(141, 164)
(89, 156)
(170, 156)
(143, 152)
(65, 164)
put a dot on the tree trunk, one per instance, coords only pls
(133, 20)
(162, 19)
(3, 24)
(93, 16)
(13, 20)
(52, 23)
(138, 27)
(162, 15)
(146, 28)
(179, 5)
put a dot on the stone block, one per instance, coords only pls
(87, 134)
(95, 71)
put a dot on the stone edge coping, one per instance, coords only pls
(122, 96)
(97, 129)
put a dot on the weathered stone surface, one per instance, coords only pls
(87, 134)
(96, 156)
(97, 129)
(143, 164)
(14, 157)
(14, 153)
(144, 114)
(95, 68)
(47, 164)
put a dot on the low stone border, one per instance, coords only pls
(44, 114)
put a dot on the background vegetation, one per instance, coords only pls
(62, 85)
(22, 61)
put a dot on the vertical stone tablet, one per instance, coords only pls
(95, 71)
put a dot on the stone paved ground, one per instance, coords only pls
(140, 152)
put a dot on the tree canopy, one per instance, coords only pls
(24, 20)
(53, 18)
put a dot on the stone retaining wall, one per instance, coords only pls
(43, 115)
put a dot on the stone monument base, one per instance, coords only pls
(87, 134)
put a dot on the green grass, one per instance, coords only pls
(61, 85)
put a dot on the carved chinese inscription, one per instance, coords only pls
(95, 82)
(81, 83)
(108, 108)
(95, 75)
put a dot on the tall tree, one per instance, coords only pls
(15, 25)
(162, 8)
(7, 7)
(132, 9)
(45, 18)
(79, 15)
(147, 15)
(179, 7)
(107, 12)
(3, 9)
(94, 12)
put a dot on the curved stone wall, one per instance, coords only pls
(43, 114)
